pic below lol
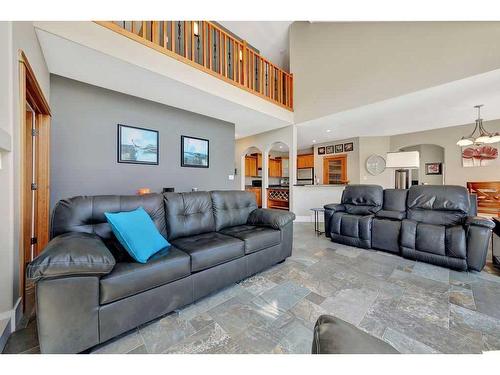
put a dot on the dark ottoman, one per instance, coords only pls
(334, 336)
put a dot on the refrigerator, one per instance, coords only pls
(305, 176)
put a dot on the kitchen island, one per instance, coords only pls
(306, 197)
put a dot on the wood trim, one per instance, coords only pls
(343, 172)
(207, 65)
(31, 92)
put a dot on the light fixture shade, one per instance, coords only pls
(464, 142)
(495, 138)
(483, 139)
(406, 159)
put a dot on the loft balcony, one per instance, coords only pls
(208, 47)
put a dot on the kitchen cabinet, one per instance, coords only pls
(274, 167)
(285, 167)
(259, 161)
(258, 194)
(305, 161)
(335, 169)
(250, 166)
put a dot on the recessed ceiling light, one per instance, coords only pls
(328, 130)
(314, 141)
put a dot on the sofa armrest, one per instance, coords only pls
(335, 207)
(479, 221)
(72, 254)
(271, 218)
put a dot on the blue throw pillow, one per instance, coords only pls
(137, 233)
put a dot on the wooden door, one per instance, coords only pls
(35, 185)
(335, 169)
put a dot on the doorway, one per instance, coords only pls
(35, 188)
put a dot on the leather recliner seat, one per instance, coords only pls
(433, 224)
(350, 221)
(89, 290)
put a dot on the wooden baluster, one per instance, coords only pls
(165, 34)
(209, 52)
(291, 91)
(155, 32)
(220, 52)
(133, 27)
(203, 45)
(184, 34)
(172, 36)
(143, 33)
(244, 64)
(192, 41)
(225, 55)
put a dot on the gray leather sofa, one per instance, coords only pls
(433, 224)
(88, 290)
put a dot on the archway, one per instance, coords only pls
(251, 172)
(432, 164)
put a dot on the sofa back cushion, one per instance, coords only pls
(85, 214)
(232, 208)
(362, 199)
(438, 204)
(188, 214)
(394, 206)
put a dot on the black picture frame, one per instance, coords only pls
(435, 169)
(321, 150)
(348, 147)
(329, 149)
(190, 165)
(120, 145)
(339, 148)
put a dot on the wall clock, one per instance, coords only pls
(375, 164)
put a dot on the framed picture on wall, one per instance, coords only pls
(137, 145)
(329, 149)
(339, 148)
(194, 152)
(348, 147)
(321, 150)
(433, 168)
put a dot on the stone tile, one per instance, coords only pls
(236, 315)
(164, 333)
(257, 284)
(296, 338)
(405, 344)
(22, 340)
(285, 296)
(201, 321)
(139, 350)
(490, 342)
(303, 259)
(350, 304)
(432, 272)
(210, 339)
(211, 301)
(462, 297)
(487, 298)
(429, 307)
(406, 279)
(315, 298)
(35, 350)
(258, 339)
(350, 252)
(121, 344)
(465, 320)
(307, 311)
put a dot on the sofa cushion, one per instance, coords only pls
(362, 199)
(231, 208)
(129, 278)
(210, 249)
(439, 205)
(430, 238)
(255, 238)
(385, 234)
(188, 214)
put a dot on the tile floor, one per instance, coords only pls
(417, 307)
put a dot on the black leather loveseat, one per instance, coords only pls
(88, 290)
(433, 224)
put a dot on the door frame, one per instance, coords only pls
(30, 92)
(343, 172)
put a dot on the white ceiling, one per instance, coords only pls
(269, 37)
(442, 106)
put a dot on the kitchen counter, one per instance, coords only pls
(323, 185)
(306, 197)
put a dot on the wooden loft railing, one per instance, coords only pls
(488, 196)
(204, 45)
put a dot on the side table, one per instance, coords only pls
(317, 212)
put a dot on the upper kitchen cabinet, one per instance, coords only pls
(305, 161)
(274, 167)
(251, 166)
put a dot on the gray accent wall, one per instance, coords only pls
(84, 144)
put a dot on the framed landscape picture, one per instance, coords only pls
(329, 149)
(433, 168)
(339, 148)
(194, 152)
(348, 147)
(137, 145)
(321, 150)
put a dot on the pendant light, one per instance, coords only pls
(483, 137)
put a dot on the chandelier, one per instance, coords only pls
(483, 136)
